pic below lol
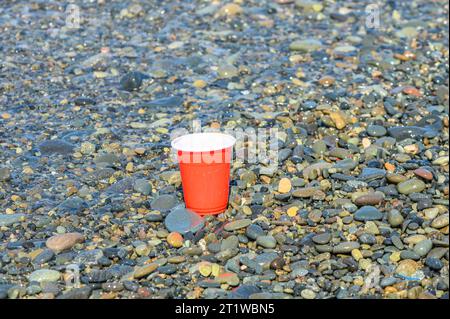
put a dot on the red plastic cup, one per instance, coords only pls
(204, 160)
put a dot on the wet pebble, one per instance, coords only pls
(59, 243)
(376, 130)
(367, 213)
(44, 275)
(411, 186)
(423, 247)
(183, 221)
(237, 224)
(266, 241)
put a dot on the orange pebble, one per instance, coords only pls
(175, 239)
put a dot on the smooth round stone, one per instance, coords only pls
(231, 242)
(422, 248)
(266, 241)
(183, 221)
(154, 217)
(322, 239)
(205, 268)
(376, 130)
(277, 263)
(366, 213)
(308, 294)
(5, 174)
(395, 178)
(307, 45)
(254, 231)
(339, 152)
(407, 267)
(44, 275)
(345, 247)
(9, 219)
(237, 224)
(395, 218)
(411, 186)
(397, 242)
(227, 71)
(434, 263)
(142, 186)
(59, 243)
(344, 50)
(175, 239)
(164, 203)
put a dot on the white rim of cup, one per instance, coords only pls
(203, 142)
